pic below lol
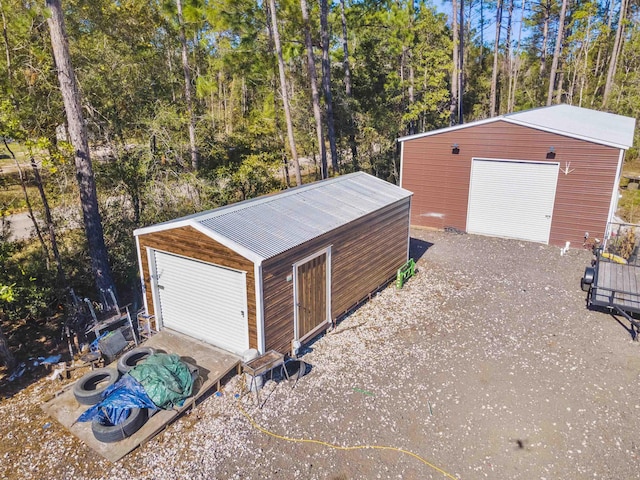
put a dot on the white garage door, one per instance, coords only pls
(512, 199)
(203, 301)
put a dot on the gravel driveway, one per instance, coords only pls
(486, 365)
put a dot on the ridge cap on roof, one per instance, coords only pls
(274, 196)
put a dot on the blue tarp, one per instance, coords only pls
(94, 345)
(118, 400)
(31, 365)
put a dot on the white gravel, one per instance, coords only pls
(487, 365)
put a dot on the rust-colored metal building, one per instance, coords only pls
(547, 175)
(273, 271)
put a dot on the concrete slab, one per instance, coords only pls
(213, 363)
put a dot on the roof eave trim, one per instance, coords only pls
(239, 249)
(159, 227)
(566, 134)
(449, 129)
(508, 118)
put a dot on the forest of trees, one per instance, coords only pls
(193, 104)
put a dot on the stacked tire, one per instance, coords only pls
(109, 433)
(134, 357)
(90, 389)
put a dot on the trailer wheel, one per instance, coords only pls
(88, 390)
(587, 279)
(114, 433)
(585, 287)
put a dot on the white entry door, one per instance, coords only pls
(512, 199)
(205, 301)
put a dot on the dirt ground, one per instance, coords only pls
(486, 365)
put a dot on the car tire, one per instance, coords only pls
(89, 389)
(114, 433)
(133, 357)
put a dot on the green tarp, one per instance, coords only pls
(166, 379)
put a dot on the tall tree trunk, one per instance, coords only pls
(7, 48)
(598, 72)
(545, 37)
(222, 114)
(574, 78)
(456, 60)
(170, 66)
(560, 87)
(188, 96)
(516, 63)
(583, 77)
(274, 86)
(347, 88)
(496, 48)
(78, 136)
(27, 201)
(508, 60)
(408, 57)
(481, 31)
(556, 52)
(315, 94)
(411, 91)
(461, 61)
(283, 88)
(326, 83)
(615, 53)
(50, 227)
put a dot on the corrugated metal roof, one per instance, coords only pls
(576, 122)
(270, 225)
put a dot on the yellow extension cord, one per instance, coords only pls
(338, 447)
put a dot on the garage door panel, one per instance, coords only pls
(512, 199)
(202, 300)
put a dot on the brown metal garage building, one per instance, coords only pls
(547, 175)
(231, 276)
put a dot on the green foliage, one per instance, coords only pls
(629, 205)
(253, 177)
(27, 290)
(7, 294)
(394, 39)
(9, 123)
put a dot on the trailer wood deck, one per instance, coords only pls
(214, 364)
(616, 286)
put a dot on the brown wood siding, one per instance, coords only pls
(189, 242)
(364, 254)
(440, 179)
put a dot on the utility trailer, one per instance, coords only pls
(612, 282)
